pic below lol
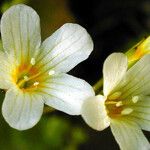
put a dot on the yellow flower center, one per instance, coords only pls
(116, 107)
(28, 77)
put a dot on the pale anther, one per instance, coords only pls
(126, 111)
(115, 95)
(26, 78)
(135, 99)
(36, 83)
(51, 72)
(32, 61)
(118, 104)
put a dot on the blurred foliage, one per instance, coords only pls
(52, 132)
(7, 4)
(53, 14)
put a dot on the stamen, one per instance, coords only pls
(135, 99)
(32, 61)
(26, 78)
(126, 111)
(118, 104)
(110, 102)
(51, 72)
(36, 83)
(115, 95)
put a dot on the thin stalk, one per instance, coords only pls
(98, 86)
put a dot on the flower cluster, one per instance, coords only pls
(34, 73)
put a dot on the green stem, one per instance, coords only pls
(98, 86)
(48, 110)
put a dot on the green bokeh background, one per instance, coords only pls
(111, 30)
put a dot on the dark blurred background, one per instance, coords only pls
(115, 25)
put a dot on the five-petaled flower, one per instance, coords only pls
(33, 73)
(125, 106)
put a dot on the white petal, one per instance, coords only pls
(22, 110)
(68, 46)
(7, 67)
(141, 112)
(94, 113)
(137, 79)
(114, 69)
(66, 93)
(128, 135)
(20, 29)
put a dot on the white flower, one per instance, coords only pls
(125, 105)
(35, 73)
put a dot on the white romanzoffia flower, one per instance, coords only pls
(35, 73)
(125, 106)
